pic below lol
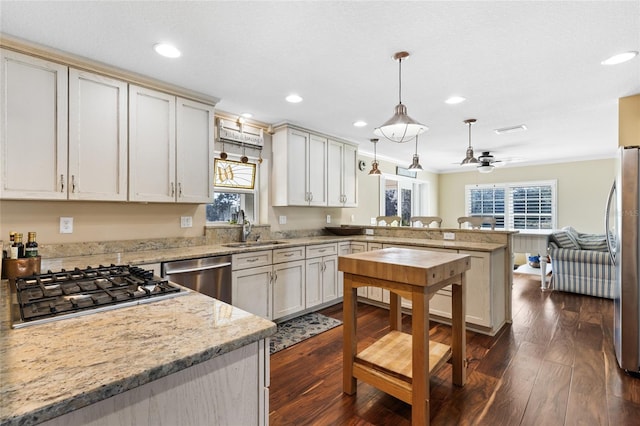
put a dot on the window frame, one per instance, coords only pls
(420, 191)
(243, 191)
(509, 214)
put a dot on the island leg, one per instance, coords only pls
(395, 311)
(349, 345)
(420, 358)
(458, 330)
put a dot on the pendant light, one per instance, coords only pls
(400, 128)
(415, 164)
(469, 158)
(374, 164)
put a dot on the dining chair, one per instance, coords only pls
(425, 221)
(388, 220)
(476, 222)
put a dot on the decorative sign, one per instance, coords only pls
(401, 171)
(233, 174)
(240, 133)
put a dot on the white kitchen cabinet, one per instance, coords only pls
(194, 151)
(33, 128)
(152, 145)
(341, 174)
(288, 288)
(170, 148)
(98, 138)
(299, 171)
(251, 290)
(321, 274)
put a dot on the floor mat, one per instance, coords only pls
(301, 328)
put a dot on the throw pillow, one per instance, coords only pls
(592, 242)
(564, 240)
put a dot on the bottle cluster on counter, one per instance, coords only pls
(19, 250)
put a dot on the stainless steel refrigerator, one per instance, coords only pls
(622, 225)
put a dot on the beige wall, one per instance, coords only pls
(582, 190)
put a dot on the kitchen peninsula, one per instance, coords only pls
(187, 360)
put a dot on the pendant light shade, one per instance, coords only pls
(374, 164)
(400, 127)
(415, 164)
(469, 158)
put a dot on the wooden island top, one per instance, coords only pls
(399, 363)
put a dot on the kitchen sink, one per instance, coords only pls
(253, 243)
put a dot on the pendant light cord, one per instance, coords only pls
(469, 134)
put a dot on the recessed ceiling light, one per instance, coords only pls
(455, 100)
(246, 115)
(293, 98)
(360, 123)
(511, 129)
(167, 50)
(620, 58)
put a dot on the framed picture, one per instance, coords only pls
(401, 171)
(233, 174)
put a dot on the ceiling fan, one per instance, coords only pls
(486, 162)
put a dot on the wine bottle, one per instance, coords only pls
(19, 245)
(31, 248)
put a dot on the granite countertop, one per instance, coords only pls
(50, 369)
(170, 254)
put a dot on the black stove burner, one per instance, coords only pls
(67, 292)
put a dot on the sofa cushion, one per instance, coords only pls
(592, 242)
(565, 239)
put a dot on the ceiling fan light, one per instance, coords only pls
(374, 169)
(485, 168)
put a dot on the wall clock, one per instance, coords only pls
(362, 165)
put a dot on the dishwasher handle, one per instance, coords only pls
(199, 268)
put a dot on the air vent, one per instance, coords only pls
(512, 129)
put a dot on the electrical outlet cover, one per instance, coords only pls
(66, 225)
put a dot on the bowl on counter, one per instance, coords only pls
(345, 230)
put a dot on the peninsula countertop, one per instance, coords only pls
(50, 369)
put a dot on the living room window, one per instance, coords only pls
(519, 205)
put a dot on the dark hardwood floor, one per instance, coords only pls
(555, 365)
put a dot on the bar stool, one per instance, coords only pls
(476, 222)
(425, 221)
(388, 220)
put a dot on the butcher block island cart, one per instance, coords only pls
(399, 363)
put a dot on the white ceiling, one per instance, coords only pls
(516, 62)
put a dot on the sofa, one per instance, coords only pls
(581, 263)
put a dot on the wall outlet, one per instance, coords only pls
(328, 218)
(353, 218)
(66, 225)
(282, 220)
(368, 231)
(449, 236)
(373, 221)
(186, 221)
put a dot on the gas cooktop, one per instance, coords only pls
(56, 295)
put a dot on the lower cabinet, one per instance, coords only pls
(322, 280)
(288, 288)
(251, 290)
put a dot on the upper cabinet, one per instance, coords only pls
(79, 135)
(312, 170)
(341, 171)
(170, 147)
(97, 137)
(33, 123)
(629, 121)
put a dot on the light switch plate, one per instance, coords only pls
(282, 220)
(449, 236)
(66, 225)
(368, 231)
(186, 221)
(328, 218)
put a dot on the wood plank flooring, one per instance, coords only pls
(555, 365)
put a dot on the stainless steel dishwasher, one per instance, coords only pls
(206, 275)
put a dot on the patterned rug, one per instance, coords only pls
(301, 328)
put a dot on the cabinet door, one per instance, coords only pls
(296, 181)
(97, 137)
(313, 282)
(33, 128)
(478, 300)
(329, 278)
(288, 288)
(334, 174)
(152, 145)
(317, 171)
(350, 176)
(250, 290)
(194, 151)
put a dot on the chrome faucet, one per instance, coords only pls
(246, 226)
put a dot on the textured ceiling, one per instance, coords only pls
(516, 62)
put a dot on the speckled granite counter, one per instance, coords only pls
(50, 369)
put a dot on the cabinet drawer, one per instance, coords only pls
(357, 247)
(288, 254)
(322, 250)
(251, 260)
